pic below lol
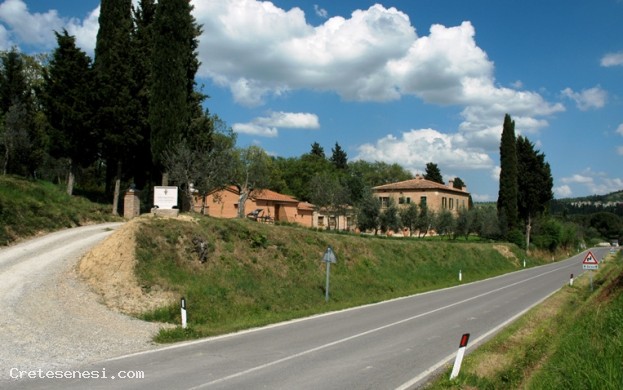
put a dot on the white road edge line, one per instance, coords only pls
(408, 385)
(284, 323)
(324, 346)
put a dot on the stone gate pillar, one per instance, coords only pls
(131, 204)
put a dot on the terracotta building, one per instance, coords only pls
(420, 191)
(265, 206)
(269, 206)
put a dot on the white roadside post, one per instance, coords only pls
(329, 257)
(571, 280)
(459, 356)
(460, 276)
(183, 308)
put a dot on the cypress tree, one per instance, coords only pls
(142, 49)
(66, 82)
(433, 173)
(173, 100)
(535, 183)
(339, 157)
(317, 150)
(116, 107)
(21, 142)
(508, 192)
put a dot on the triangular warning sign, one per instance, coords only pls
(590, 259)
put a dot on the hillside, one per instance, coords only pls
(29, 207)
(249, 274)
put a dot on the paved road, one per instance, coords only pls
(391, 345)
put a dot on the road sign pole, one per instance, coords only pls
(326, 292)
(329, 257)
(591, 273)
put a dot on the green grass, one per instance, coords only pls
(589, 354)
(31, 207)
(574, 340)
(258, 274)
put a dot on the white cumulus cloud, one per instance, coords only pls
(415, 148)
(563, 191)
(591, 98)
(594, 182)
(259, 50)
(268, 126)
(612, 59)
(22, 27)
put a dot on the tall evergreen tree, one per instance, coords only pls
(339, 157)
(433, 173)
(509, 190)
(115, 118)
(142, 49)
(67, 80)
(173, 100)
(458, 183)
(13, 85)
(317, 150)
(21, 142)
(535, 183)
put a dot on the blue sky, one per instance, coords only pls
(410, 81)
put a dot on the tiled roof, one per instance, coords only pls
(419, 183)
(306, 206)
(272, 195)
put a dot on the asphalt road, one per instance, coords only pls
(391, 345)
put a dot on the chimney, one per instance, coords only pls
(451, 183)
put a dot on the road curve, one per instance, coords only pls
(391, 345)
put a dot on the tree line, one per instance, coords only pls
(133, 116)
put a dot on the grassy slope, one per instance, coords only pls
(257, 274)
(31, 207)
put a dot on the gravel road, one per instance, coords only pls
(50, 319)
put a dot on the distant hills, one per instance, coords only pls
(612, 202)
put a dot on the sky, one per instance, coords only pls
(403, 81)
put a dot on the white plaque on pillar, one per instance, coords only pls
(165, 197)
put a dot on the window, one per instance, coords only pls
(422, 201)
(320, 221)
(444, 203)
(384, 201)
(451, 203)
(404, 200)
(332, 221)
